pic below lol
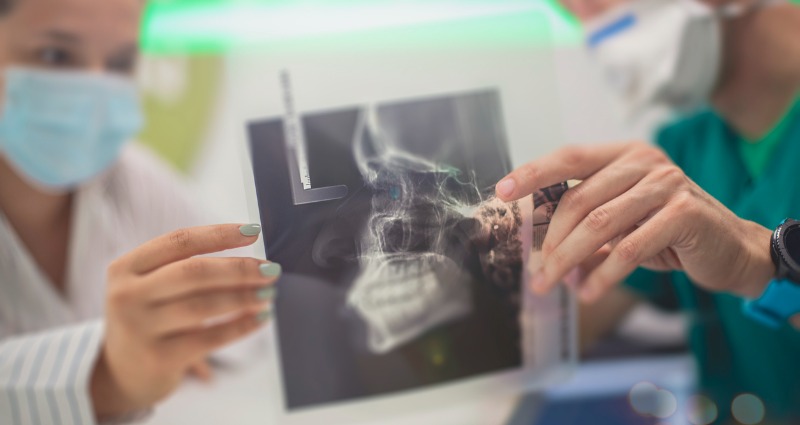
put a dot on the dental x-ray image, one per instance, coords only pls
(401, 271)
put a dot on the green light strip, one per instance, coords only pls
(208, 27)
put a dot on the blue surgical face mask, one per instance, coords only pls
(59, 129)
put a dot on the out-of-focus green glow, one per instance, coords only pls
(213, 26)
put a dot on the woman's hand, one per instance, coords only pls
(167, 310)
(636, 208)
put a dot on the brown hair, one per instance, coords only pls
(5, 6)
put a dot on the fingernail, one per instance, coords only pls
(537, 281)
(270, 269)
(264, 316)
(266, 293)
(506, 187)
(250, 230)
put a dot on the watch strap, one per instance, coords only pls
(779, 302)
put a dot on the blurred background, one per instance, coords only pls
(201, 85)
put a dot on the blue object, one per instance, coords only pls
(612, 29)
(780, 301)
(61, 128)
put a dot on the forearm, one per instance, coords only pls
(44, 377)
(108, 400)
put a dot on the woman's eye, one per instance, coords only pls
(55, 57)
(122, 65)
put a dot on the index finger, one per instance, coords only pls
(571, 163)
(185, 243)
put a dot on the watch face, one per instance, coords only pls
(792, 242)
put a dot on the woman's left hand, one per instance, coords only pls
(637, 208)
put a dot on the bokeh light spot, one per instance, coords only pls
(643, 398)
(701, 410)
(648, 400)
(666, 404)
(748, 409)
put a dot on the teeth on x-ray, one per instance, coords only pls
(402, 296)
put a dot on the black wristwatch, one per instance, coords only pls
(781, 299)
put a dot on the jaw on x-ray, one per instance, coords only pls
(400, 268)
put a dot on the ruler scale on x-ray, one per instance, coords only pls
(297, 158)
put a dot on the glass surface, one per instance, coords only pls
(374, 166)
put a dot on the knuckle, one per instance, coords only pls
(598, 220)
(671, 174)
(528, 174)
(199, 306)
(572, 155)
(548, 246)
(243, 267)
(194, 267)
(556, 260)
(628, 251)
(646, 152)
(221, 233)
(181, 239)
(573, 198)
(682, 203)
(120, 295)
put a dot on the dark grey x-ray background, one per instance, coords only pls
(323, 355)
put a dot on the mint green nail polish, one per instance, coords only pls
(250, 229)
(270, 270)
(266, 293)
(264, 316)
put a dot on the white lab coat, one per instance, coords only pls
(49, 342)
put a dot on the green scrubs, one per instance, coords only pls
(759, 182)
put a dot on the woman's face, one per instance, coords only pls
(98, 36)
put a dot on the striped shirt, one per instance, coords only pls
(50, 341)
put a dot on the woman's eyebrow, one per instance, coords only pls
(62, 36)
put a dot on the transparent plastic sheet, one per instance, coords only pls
(372, 176)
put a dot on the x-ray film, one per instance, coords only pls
(403, 275)
(401, 269)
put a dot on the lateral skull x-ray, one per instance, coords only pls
(405, 271)
(427, 218)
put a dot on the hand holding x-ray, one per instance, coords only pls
(637, 208)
